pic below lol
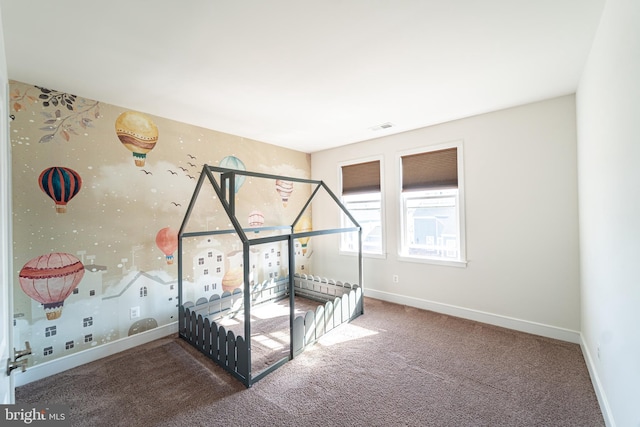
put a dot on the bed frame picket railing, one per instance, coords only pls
(231, 351)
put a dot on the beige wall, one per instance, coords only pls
(521, 220)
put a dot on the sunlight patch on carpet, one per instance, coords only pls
(345, 333)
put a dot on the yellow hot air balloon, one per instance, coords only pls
(301, 226)
(137, 133)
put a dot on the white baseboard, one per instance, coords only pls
(46, 369)
(479, 316)
(597, 385)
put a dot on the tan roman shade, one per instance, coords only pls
(430, 170)
(361, 178)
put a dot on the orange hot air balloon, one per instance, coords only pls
(232, 279)
(167, 241)
(284, 188)
(137, 133)
(50, 279)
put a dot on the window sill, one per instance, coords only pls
(433, 261)
(364, 254)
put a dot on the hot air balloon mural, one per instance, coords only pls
(167, 241)
(284, 188)
(137, 133)
(232, 279)
(232, 162)
(61, 184)
(256, 219)
(303, 225)
(50, 279)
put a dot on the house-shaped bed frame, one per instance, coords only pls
(340, 301)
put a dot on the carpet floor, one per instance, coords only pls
(393, 366)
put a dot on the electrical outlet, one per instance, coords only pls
(134, 312)
(396, 279)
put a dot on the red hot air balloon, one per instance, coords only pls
(167, 241)
(61, 184)
(50, 279)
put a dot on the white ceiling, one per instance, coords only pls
(302, 74)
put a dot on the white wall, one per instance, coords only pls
(608, 106)
(6, 311)
(521, 220)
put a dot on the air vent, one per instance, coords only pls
(382, 126)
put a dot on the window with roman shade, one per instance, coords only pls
(430, 170)
(361, 178)
(362, 196)
(432, 226)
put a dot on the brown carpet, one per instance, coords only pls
(393, 366)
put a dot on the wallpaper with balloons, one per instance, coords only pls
(99, 193)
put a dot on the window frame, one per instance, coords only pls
(383, 232)
(401, 252)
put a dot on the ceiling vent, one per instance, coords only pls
(382, 126)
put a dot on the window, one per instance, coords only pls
(219, 258)
(143, 291)
(69, 345)
(48, 351)
(76, 290)
(362, 196)
(92, 293)
(432, 214)
(88, 338)
(206, 288)
(50, 331)
(87, 321)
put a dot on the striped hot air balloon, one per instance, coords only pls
(284, 188)
(61, 184)
(137, 133)
(256, 219)
(50, 279)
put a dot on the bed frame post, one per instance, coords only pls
(247, 306)
(292, 308)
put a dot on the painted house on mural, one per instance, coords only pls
(140, 301)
